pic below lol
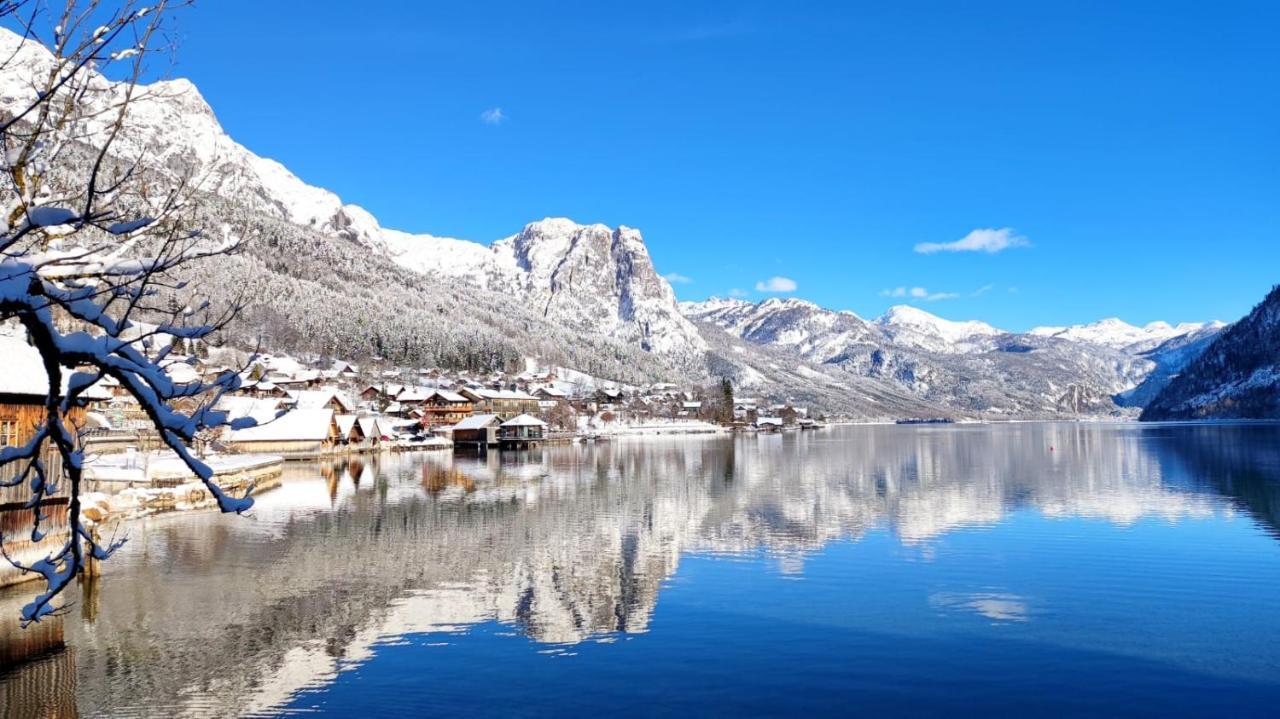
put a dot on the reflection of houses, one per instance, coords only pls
(521, 431)
(297, 433)
(477, 431)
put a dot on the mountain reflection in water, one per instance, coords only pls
(210, 615)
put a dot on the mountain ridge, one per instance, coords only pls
(532, 290)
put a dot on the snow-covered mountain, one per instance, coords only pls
(1116, 333)
(588, 277)
(333, 279)
(913, 327)
(966, 366)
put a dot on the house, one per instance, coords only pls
(350, 433)
(373, 430)
(346, 370)
(478, 430)
(299, 432)
(330, 398)
(769, 424)
(608, 398)
(264, 388)
(441, 407)
(549, 397)
(523, 430)
(500, 401)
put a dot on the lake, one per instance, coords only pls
(1022, 569)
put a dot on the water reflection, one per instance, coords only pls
(211, 615)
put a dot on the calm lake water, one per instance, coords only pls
(1064, 569)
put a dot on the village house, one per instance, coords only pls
(549, 397)
(500, 401)
(300, 432)
(350, 433)
(609, 399)
(23, 385)
(328, 398)
(442, 408)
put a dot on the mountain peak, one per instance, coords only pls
(1116, 333)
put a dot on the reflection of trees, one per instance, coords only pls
(1243, 464)
(571, 542)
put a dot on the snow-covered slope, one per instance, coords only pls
(1116, 333)
(1237, 376)
(592, 277)
(588, 277)
(912, 327)
(968, 366)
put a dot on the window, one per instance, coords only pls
(8, 432)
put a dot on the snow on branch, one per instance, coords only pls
(91, 246)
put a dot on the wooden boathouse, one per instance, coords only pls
(521, 431)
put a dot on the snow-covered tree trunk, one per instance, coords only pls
(90, 243)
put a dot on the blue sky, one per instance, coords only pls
(1129, 152)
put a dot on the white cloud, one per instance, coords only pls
(735, 292)
(676, 278)
(493, 116)
(983, 290)
(918, 293)
(987, 240)
(776, 284)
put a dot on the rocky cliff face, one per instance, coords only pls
(1236, 377)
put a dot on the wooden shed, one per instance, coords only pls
(477, 431)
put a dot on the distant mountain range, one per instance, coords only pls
(330, 280)
(970, 368)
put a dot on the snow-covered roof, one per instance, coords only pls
(345, 423)
(312, 398)
(769, 420)
(23, 369)
(447, 396)
(501, 394)
(237, 406)
(371, 426)
(182, 373)
(524, 420)
(299, 424)
(478, 421)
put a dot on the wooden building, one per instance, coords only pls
(298, 433)
(521, 431)
(477, 431)
(23, 385)
(442, 408)
(501, 401)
